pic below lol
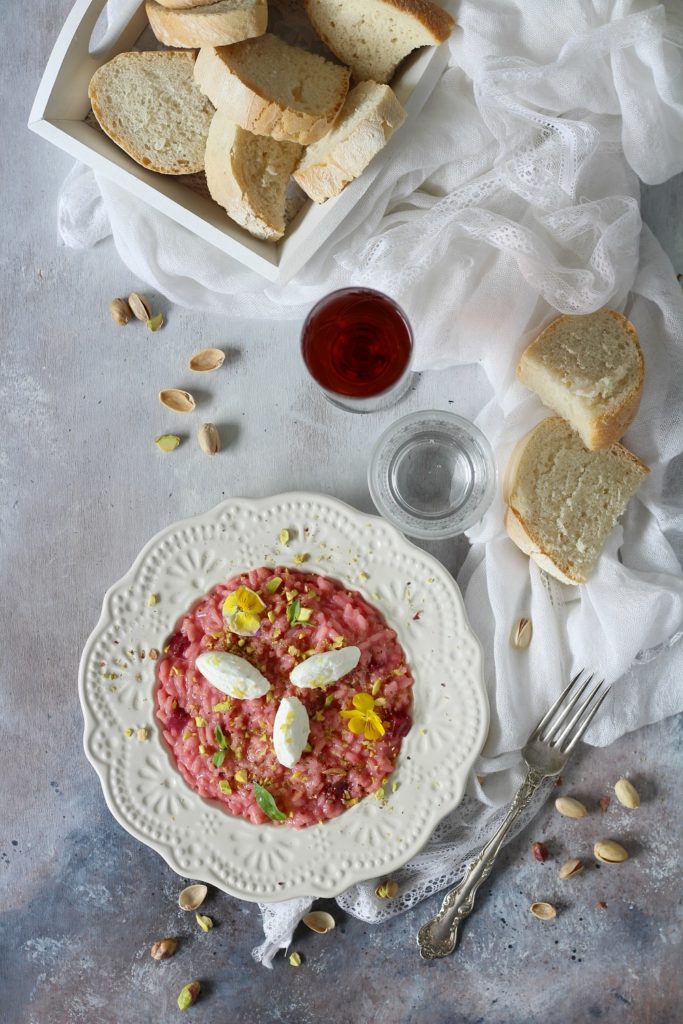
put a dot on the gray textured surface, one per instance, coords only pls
(82, 488)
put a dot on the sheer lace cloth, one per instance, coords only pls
(513, 197)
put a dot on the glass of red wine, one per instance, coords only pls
(357, 345)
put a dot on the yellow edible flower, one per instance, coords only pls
(364, 721)
(242, 611)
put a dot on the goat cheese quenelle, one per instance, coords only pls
(285, 696)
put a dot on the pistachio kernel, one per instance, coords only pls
(295, 959)
(189, 995)
(204, 922)
(155, 323)
(167, 442)
(163, 949)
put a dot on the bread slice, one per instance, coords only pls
(369, 117)
(588, 369)
(272, 88)
(149, 104)
(373, 36)
(564, 500)
(216, 24)
(248, 175)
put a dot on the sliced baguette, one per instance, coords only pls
(216, 24)
(369, 117)
(149, 104)
(248, 175)
(271, 88)
(590, 370)
(373, 36)
(564, 500)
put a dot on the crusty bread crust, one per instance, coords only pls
(611, 427)
(230, 180)
(429, 18)
(208, 25)
(347, 158)
(522, 532)
(244, 100)
(102, 114)
(184, 5)
(519, 533)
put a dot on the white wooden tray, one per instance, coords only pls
(61, 106)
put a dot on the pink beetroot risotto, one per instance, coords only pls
(338, 768)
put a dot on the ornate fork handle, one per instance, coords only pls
(438, 937)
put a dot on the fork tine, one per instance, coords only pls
(555, 725)
(584, 725)
(551, 711)
(567, 733)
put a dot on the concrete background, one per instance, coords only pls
(82, 488)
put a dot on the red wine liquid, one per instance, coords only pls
(356, 342)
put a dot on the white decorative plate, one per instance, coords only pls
(144, 790)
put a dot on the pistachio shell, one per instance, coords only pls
(319, 921)
(177, 400)
(571, 868)
(521, 634)
(192, 897)
(207, 359)
(544, 911)
(627, 794)
(209, 439)
(568, 807)
(609, 852)
(139, 306)
(387, 890)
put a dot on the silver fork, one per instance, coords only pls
(546, 753)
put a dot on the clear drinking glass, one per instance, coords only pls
(357, 346)
(432, 474)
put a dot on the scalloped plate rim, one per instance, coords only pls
(107, 618)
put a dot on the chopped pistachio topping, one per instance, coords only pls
(128, 731)
(223, 705)
(225, 786)
(295, 959)
(199, 721)
(283, 537)
(241, 776)
(143, 734)
(152, 600)
(300, 559)
(272, 585)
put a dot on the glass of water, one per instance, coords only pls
(432, 474)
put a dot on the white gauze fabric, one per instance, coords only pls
(514, 196)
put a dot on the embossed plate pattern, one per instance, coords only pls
(144, 790)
